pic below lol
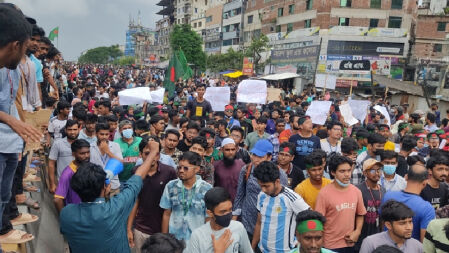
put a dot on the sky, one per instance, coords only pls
(86, 24)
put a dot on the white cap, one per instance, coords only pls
(227, 141)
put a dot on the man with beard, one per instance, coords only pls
(61, 153)
(88, 133)
(436, 191)
(228, 169)
(398, 220)
(64, 194)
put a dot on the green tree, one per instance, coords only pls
(258, 45)
(101, 55)
(229, 60)
(183, 37)
(124, 60)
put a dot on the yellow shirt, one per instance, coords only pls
(389, 145)
(309, 192)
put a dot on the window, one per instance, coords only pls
(227, 42)
(377, 4)
(307, 23)
(194, 25)
(394, 22)
(250, 19)
(441, 26)
(291, 9)
(343, 22)
(438, 47)
(289, 27)
(208, 19)
(309, 4)
(271, 29)
(345, 3)
(196, 10)
(374, 22)
(200, 24)
(396, 4)
(280, 12)
(278, 28)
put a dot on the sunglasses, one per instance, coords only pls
(185, 168)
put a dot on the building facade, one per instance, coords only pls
(232, 26)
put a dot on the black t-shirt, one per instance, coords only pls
(149, 213)
(371, 224)
(304, 146)
(437, 197)
(183, 147)
(199, 109)
(295, 177)
(402, 168)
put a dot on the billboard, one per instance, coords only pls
(366, 48)
(248, 66)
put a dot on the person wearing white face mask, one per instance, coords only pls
(129, 145)
(389, 179)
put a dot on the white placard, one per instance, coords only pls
(252, 91)
(318, 111)
(346, 112)
(384, 112)
(359, 109)
(326, 81)
(218, 97)
(134, 96)
(157, 96)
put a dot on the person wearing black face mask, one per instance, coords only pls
(221, 234)
(375, 147)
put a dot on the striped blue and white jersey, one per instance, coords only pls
(277, 231)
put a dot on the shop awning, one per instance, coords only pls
(282, 76)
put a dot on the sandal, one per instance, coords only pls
(31, 178)
(30, 203)
(16, 237)
(32, 171)
(24, 218)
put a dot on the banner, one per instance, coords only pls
(252, 91)
(274, 94)
(325, 81)
(157, 96)
(134, 96)
(347, 115)
(318, 111)
(248, 66)
(218, 97)
(359, 109)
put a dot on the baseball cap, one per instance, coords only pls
(262, 148)
(227, 141)
(369, 163)
(229, 107)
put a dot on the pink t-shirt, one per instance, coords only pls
(340, 208)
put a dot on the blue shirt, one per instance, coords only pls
(9, 84)
(100, 226)
(423, 210)
(188, 210)
(245, 203)
(38, 64)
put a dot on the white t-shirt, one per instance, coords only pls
(56, 126)
(201, 240)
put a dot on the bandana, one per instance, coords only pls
(288, 150)
(309, 225)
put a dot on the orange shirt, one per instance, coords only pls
(340, 208)
(285, 135)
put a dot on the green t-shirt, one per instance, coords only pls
(130, 154)
(215, 154)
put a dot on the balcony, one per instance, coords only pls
(231, 35)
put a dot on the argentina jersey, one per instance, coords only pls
(278, 215)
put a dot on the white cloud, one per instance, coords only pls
(63, 8)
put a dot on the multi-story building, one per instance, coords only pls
(232, 26)
(186, 11)
(212, 34)
(144, 48)
(162, 38)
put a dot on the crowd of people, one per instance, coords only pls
(248, 178)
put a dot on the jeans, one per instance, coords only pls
(8, 165)
(11, 211)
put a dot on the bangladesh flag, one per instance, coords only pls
(53, 34)
(174, 71)
(188, 72)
